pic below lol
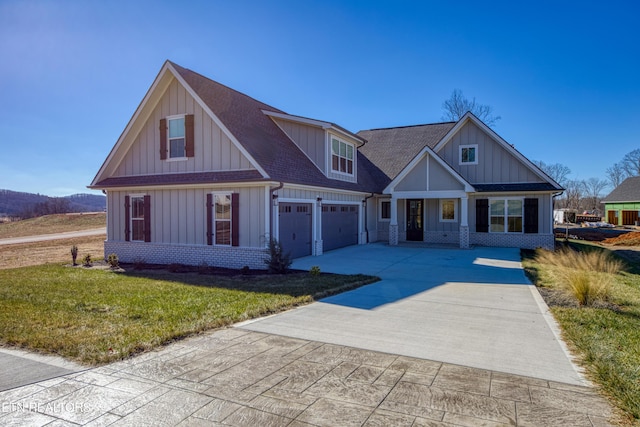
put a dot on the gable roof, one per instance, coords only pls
(627, 191)
(470, 117)
(264, 143)
(392, 149)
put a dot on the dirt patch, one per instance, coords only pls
(51, 251)
(627, 239)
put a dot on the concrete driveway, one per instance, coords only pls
(470, 307)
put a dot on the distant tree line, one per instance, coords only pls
(54, 205)
(586, 194)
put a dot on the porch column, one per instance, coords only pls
(464, 222)
(393, 223)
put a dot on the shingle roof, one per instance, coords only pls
(181, 178)
(628, 191)
(281, 159)
(392, 149)
(525, 186)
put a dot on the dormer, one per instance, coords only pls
(331, 148)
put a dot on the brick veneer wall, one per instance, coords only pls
(162, 253)
(446, 237)
(513, 240)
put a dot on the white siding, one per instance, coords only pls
(310, 139)
(214, 150)
(495, 164)
(179, 216)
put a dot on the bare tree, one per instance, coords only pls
(592, 188)
(457, 106)
(631, 163)
(574, 192)
(557, 171)
(616, 174)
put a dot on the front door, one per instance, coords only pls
(415, 227)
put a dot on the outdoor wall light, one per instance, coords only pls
(274, 197)
(319, 200)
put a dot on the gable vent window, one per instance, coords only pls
(341, 156)
(469, 154)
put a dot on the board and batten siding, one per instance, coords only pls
(495, 164)
(429, 175)
(545, 217)
(180, 216)
(214, 150)
(311, 140)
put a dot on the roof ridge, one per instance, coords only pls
(179, 68)
(409, 126)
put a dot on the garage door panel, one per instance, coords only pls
(339, 226)
(295, 225)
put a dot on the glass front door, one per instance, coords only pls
(415, 227)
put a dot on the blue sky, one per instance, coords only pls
(564, 76)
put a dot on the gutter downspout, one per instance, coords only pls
(271, 191)
(366, 228)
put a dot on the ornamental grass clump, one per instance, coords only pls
(587, 276)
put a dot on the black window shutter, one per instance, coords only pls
(235, 217)
(209, 219)
(189, 135)
(530, 215)
(163, 139)
(482, 215)
(147, 218)
(127, 218)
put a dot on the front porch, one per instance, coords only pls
(430, 218)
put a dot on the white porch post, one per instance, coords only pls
(464, 222)
(393, 223)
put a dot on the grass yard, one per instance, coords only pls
(97, 316)
(50, 251)
(605, 335)
(50, 224)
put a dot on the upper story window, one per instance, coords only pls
(177, 147)
(177, 137)
(341, 156)
(469, 154)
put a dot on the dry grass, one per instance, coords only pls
(587, 276)
(50, 224)
(52, 251)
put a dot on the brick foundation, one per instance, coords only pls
(464, 237)
(163, 253)
(513, 240)
(393, 235)
(442, 237)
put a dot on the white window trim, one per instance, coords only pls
(380, 202)
(214, 217)
(131, 197)
(475, 147)
(176, 159)
(506, 216)
(353, 161)
(455, 210)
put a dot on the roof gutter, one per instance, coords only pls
(274, 196)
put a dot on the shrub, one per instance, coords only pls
(112, 260)
(315, 271)
(278, 261)
(87, 261)
(585, 275)
(245, 270)
(74, 254)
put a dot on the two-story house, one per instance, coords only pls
(205, 174)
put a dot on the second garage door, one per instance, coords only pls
(339, 226)
(295, 228)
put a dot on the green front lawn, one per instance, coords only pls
(606, 336)
(96, 316)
